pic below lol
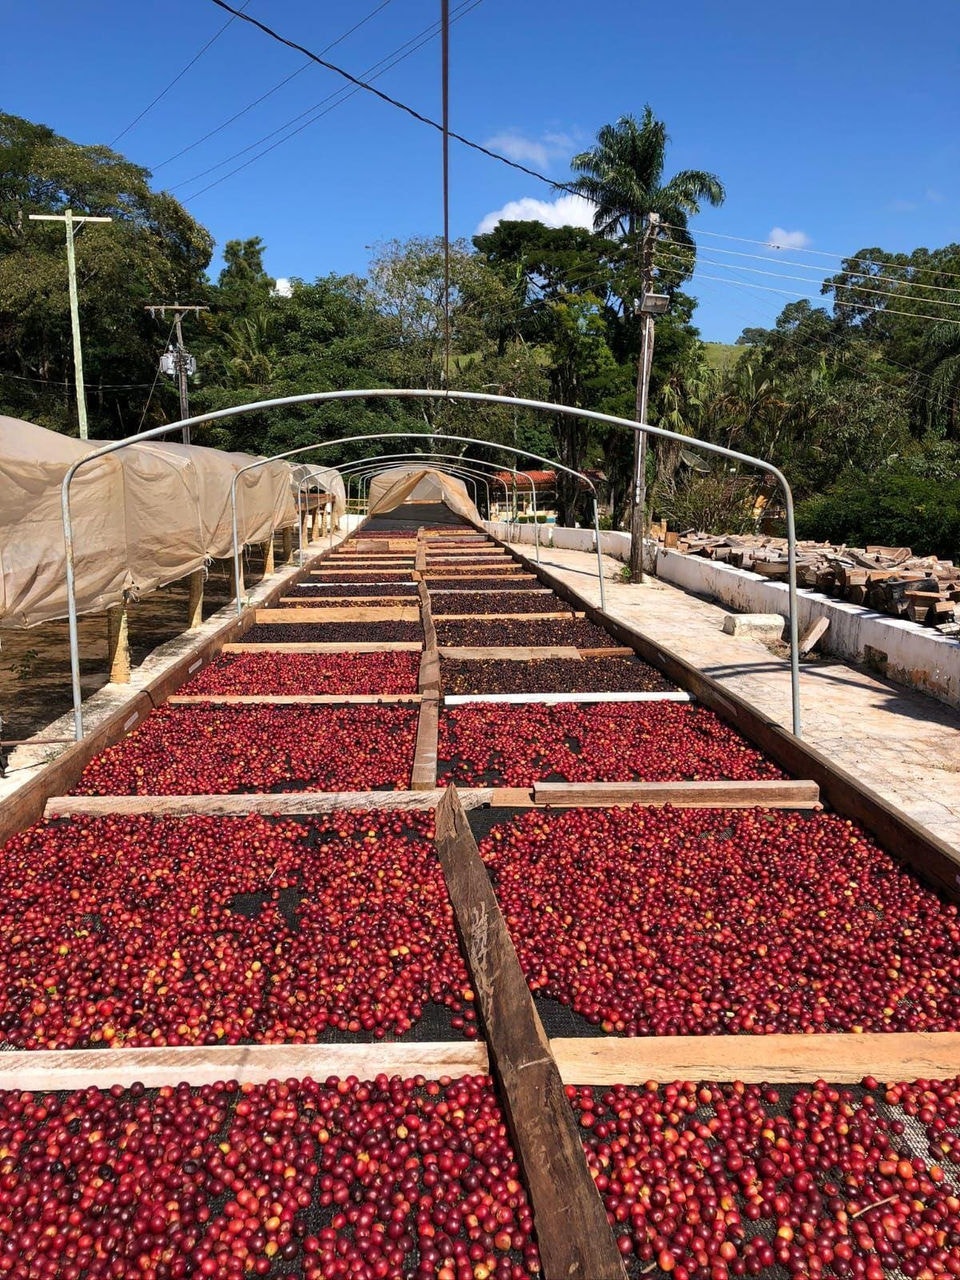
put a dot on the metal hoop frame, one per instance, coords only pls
(419, 393)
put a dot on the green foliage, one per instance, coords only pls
(897, 508)
(152, 251)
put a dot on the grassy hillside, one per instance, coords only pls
(722, 355)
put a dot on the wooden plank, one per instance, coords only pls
(309, 646)
(772, 794)
(572, 1231)
(612, 652)
(290, 803)
(49, 1070)
(510, 653)
(289, 699)
(932, 859)
(320, 613)
(424, 774)
(779, 1059)
(552, 699)
(813, 634)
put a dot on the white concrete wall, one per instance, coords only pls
(915, 656)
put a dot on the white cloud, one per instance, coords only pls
(779, 238)
(283, 287)
(565, 211)
(516, 147)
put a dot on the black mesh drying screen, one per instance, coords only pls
(413, 515)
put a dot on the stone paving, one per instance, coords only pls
(903, 744)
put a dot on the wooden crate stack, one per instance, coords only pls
(891, 580)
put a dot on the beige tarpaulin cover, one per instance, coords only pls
(400, 485)
(142, 517)
(327, 480)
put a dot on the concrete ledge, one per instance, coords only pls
(917, 657)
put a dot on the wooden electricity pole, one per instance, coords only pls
(68, 220)
(183, 363)
(638, 515)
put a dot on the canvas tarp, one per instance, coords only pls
(400, 486)
(324, 480)
(142, 517)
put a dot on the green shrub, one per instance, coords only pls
(894, 508)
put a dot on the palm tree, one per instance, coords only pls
(623, 176)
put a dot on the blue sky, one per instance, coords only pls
(837, 123)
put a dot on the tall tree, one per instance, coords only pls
(153, 251)
(623, 174)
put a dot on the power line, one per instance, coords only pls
(445, 146)
(393, 102)
(814, 266)
(882, 293)
(820, 253)
(90, 386)
(340, 94)
(335, 99)
(179, 76)
(269, 93)
(813, 297)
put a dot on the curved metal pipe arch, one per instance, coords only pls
(406, 393)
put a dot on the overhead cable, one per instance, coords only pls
(393, 102)
(180, 74)
(269, 93)
(820, 253)
(335, 99)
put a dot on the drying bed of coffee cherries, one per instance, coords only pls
(710, 1181)
(307, 673)
(333, 632)
(405, 589)
(495, 602)
(347, 574)
(517, 745)
(551, 675)
(290, 1179)
(711, 922)
(218, 750)
(143, 931)
(533, 632)
(502, 582)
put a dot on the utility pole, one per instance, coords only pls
(178, 363)
(69, 220)
(651, 305)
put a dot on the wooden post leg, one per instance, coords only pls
(236, 580)
(305, 528)
(315, 530)
(287, 545)
(118, 644)
(195, 604)
(329, 514)
(268, 558)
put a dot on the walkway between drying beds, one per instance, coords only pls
(903, 744)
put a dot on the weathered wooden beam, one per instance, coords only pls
(780, 1059)
(290, 803)
(572, 1231)
(775, 794)
(424, 774)
(49, 1070)
(197, 581)
(118, 644)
